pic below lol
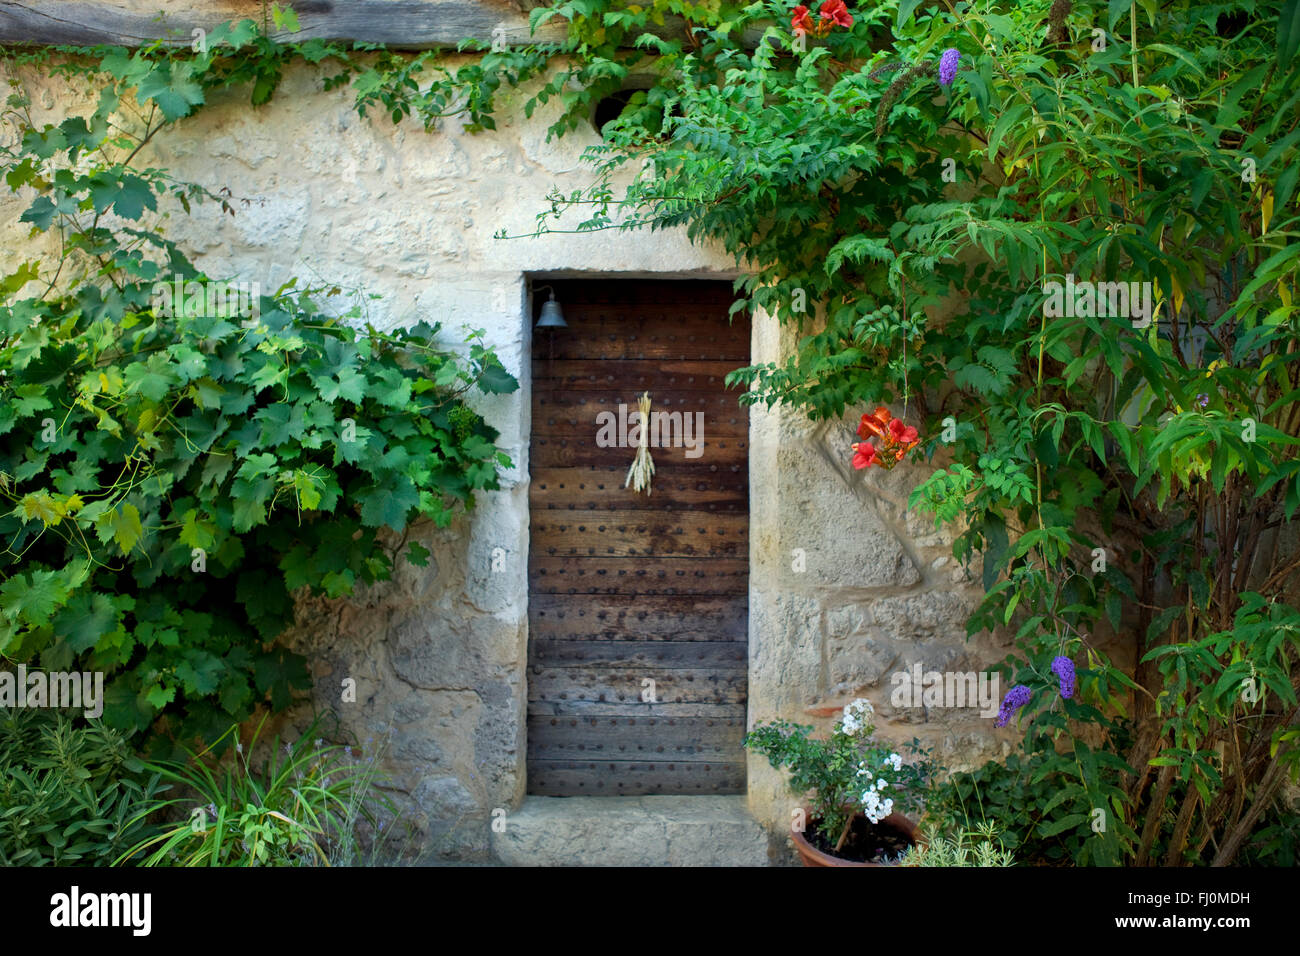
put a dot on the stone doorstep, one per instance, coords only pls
(632, 831)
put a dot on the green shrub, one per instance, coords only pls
(1276, 842)
(298, 804)
(171, 473)
(1016, 797)
(71, 793)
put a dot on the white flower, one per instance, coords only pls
(855, 716)
(877, 810)
(881, 784)
(860, 708)
(874, 807)
(895, 761)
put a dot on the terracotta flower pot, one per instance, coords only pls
(812, 856)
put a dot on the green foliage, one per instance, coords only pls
(300, 805)
(429, 90)
(177, 460)
(71, 793)
(1277, 841)
(1035, 803)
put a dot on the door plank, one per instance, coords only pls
(564, 778)
(634, 738)
(569, 375)
(638, 617)
(634, 708)
(724, 456)
(667, 575)
(601, 487)
(643, 656)
(637, 533)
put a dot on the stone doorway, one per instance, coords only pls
(638, 603)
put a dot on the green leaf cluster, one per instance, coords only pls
(171, 474)
(72, 793)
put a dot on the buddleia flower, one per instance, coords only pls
(1063, 668)
(1056, 29)
(948, 66)
(1016, 698)
(895, 90)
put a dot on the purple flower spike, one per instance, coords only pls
(1016, 698)
(948, 66)
(1202, 399)
(1063, 668)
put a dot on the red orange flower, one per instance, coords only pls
(801, 21)
(896, 440)
(836, 11)
(875, 423)
(864, 454)
(903, 434)
(831, 13)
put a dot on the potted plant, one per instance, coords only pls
(858, 789)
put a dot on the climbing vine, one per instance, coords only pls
(180, 453)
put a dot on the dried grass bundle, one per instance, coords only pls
(643, 466)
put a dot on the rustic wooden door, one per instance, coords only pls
(638, 606)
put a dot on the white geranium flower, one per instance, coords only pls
(875, 811)
(895, 761)
(856, 712)
(874, 808)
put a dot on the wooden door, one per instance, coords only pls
(626, 589)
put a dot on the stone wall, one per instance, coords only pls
(438, 654)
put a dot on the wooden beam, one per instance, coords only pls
(399, 24)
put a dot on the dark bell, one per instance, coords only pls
(552, 317)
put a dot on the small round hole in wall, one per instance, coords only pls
(610, 109)
(646, 103)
